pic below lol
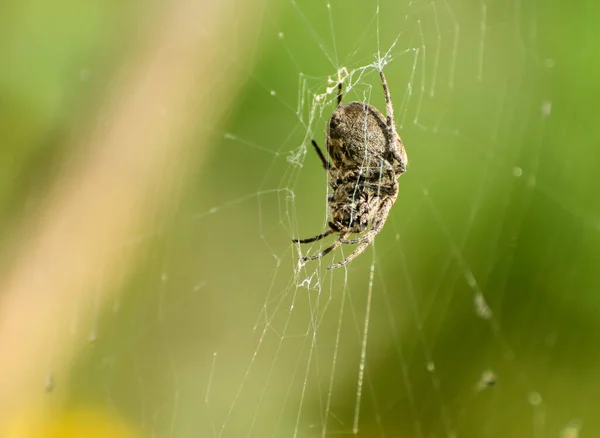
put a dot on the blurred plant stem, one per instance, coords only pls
(127, 172)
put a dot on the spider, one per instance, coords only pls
(367, 158)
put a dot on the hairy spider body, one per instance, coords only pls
(367, 157)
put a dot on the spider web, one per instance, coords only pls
(468, 315)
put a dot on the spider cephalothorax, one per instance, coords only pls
(367, 158)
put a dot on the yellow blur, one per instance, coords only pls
(71, 424)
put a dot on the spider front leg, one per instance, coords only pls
(391, 125)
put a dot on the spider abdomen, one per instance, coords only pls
(356, 135)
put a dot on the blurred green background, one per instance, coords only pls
(488, 262)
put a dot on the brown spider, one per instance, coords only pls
(367, 158)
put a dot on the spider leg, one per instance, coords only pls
(314, 239)
(359, 249)
(339, 95)
(384, 209)
(394, 182)
(326, 164)
(326, 251)
(393, 135)
(389, 109)
(377, 226)
(360, 239)
(383, 189)
(368, 238)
